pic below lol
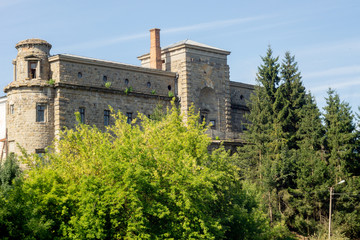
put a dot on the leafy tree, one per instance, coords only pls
(152, 180)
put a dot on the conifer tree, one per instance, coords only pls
(290, 98)
(340, 136)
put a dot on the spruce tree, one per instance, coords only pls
(290, 98)
(340, 136)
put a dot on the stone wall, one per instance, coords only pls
(96, 73)
(69, 100)
(23, 128)
(203, 80)
(240, 96)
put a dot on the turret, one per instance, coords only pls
(32, 60)
(30, 99)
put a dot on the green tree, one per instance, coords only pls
(340, 136)
(152, 180)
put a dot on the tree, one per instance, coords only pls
(340, 136)
(151, 180)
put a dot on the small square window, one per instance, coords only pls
(82, 114)
(106, 117)
(40, 112)
(79, 75)
(129, 117)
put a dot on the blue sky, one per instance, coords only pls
(323, 35)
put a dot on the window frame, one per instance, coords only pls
(82, 114)
(33, 71)
(40, 112)
(106, 117)
(129, 117)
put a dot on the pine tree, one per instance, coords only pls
(340, 136)
(290, 98)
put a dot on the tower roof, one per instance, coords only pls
(32, 41)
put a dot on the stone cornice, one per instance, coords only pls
(109, 90)
(189, 46)
(109, 64)
(85, 88)
(242, 85)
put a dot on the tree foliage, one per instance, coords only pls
(150, 180)
(295, 153)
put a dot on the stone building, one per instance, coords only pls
(48, 89)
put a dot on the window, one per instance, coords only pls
(106, 117)
(11, 109)
(40, 152)
(169, 87)
(126, 82)
(32, 69)
(204, 115)
(129, 117)
(40, 112)
(82, 114)
(79, 75)
(213, 124)
(148, 84)
(105, 79)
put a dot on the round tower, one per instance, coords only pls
(32, 60)
(30, 99)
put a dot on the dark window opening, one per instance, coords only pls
(32, 71)
(105, 78)
(126, 81)
(106, 117)
(169, 87)
(40, 152)
(204, 115)
(241, 97)
(11, 109)
(40, 113)
(148, 84)
(129, 117)
(213, 124)
(82, 114)
(203, 118)
(79, 75)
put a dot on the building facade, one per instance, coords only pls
(47, 90)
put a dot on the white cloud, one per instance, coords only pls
(352, 45)
(104, 42)
(340, 84)
(340, 71)
(214, 24)
(195, 27)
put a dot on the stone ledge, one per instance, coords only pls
(113, 91)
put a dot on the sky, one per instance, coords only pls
(323, 35)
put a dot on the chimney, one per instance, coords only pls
(155, 50)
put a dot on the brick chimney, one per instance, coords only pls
(155, 50)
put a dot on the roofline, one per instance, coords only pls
(242, 85)
(111, 64)
(186, 45)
